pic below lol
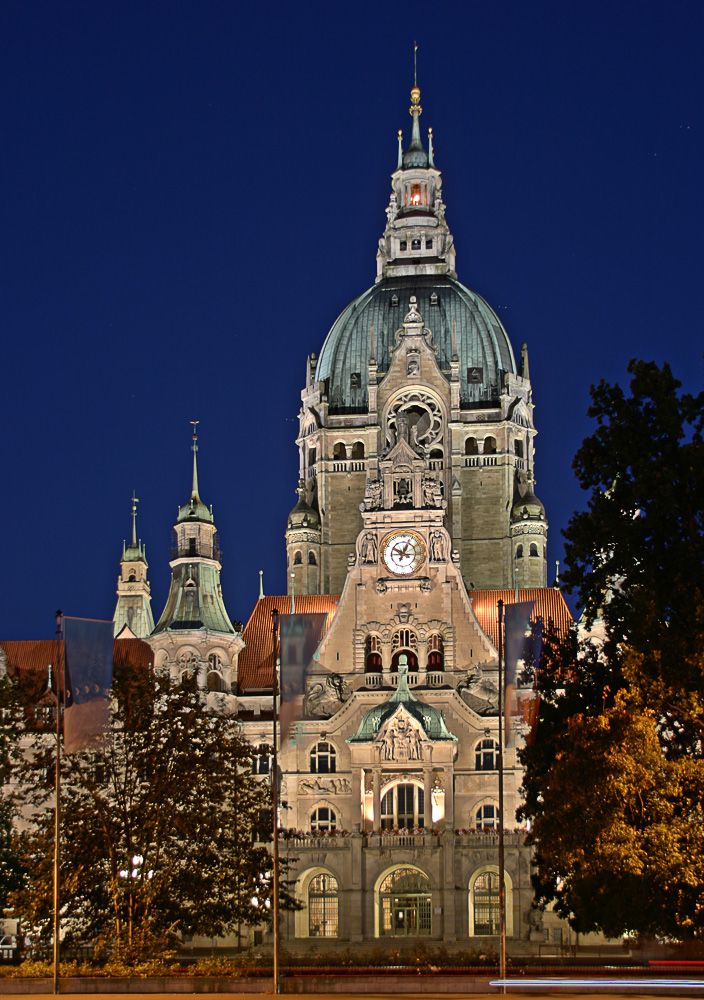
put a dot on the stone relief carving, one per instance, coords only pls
(400, 741)
(315, 785)
(478, 685)
(380, 587)
(326, 698)
(373, 494)
(432, 493)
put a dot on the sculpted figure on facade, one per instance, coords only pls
(437, 547)
(372, 495)
(369, 548)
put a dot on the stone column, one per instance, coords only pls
(376, 786)
(356, 811)
(449, 799)
(428, 798)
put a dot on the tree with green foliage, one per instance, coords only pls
(614, 782)
(162, 830)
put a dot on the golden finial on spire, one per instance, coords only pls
(415, 92)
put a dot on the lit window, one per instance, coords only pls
(485, 900)
(486, 755)
(322, 906)
(487, 818)
(415, 244)
(435, 652)
(415, 194)
(323, 820)
(405, 904)
(372, 659)
(402, 808)
(260, 759)
(323, 759)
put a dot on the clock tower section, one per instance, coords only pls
(404, 595)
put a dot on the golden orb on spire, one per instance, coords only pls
(415, 94)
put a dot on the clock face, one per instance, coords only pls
(403, 552)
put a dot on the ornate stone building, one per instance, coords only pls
(416, 512)
(420, 351)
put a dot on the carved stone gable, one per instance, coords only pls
(401, 739)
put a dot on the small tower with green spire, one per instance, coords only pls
(195, 599)
(133, 612)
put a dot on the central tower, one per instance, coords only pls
(459, 401)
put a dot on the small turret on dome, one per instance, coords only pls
(430, 719)
(527, 507)
(303, 515)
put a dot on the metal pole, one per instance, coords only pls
(502, 887)
(275, 797)
(60, 685)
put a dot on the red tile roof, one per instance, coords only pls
(33, 656)
(550, 605)
(254, 667)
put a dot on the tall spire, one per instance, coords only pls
(415, 155)
(194, 449)
(135, 501)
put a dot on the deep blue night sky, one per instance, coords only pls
(192, 192)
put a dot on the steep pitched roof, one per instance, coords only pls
(254, 667)
(33, 656)
(550, 605)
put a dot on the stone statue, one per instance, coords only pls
(437, 547)
(369, 548)
(372, 495)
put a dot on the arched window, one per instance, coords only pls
(405, 908)
(323, 759)
(519, 552)
(485, 902)
(323, 820)
(436, 458)
(260, 759)
(533, 549)
(132, 578)
(339, 451)
(372, 655)
(312, 561)
(298, 559)
(215, 681)
(402, 808)
(404, 642)
(436, 652)
(214, 661)
(487, 817)
(322, 906)
(486, 755)
(470, 447)
(489, 446)
(358, 450)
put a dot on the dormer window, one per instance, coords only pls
(394, 300)
(434, 296)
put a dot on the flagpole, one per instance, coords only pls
(502, 887)
(60, 685)
(275, 798)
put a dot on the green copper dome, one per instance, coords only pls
(484, 350)
(429, 717)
